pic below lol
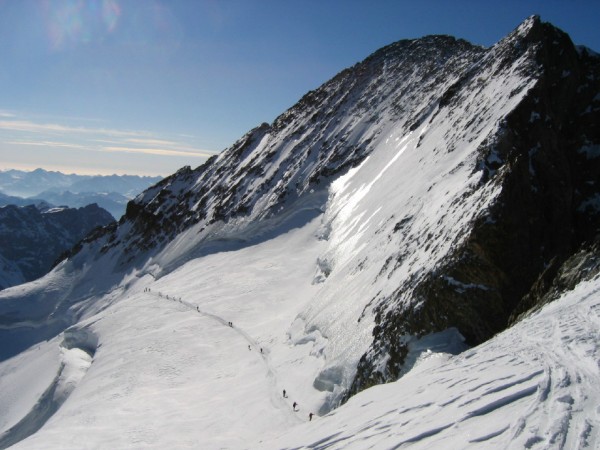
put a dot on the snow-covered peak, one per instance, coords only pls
(525, 27)
(275, 168)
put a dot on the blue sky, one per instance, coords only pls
(148, 86)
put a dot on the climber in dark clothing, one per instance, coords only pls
(284, 396)
(294, 406)
(310, 416)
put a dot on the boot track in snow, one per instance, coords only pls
(276, 398)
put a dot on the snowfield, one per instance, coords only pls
(164, 374)
(155, 372)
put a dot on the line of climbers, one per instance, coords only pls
(295, 404)
(230, 324)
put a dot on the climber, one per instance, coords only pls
(294, 406)
(310, 416)
(284, 396)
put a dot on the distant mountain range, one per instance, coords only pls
(6, 200)
(110, 192)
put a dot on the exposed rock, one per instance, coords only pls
(33, 240)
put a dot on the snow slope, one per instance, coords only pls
(164, 373)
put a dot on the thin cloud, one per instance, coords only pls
(161, 151)
(171, 145)
(50, 144)
(152, 142)
(33, 127)
(30, 133)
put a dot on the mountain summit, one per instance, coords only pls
(420, 202)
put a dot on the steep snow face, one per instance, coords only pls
(400, 214)
(464, 240)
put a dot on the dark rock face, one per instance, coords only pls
(33, 240)
(547, 163)
(583, 265)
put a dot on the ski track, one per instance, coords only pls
(570, 377)
(276, 398)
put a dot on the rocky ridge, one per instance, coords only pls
(292, 161)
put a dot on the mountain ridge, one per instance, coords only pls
(29, 184)
(111, 192)
(262, 154)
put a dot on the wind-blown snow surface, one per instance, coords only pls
(533, 386)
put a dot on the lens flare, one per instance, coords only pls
(111, 11)
(74, 22)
